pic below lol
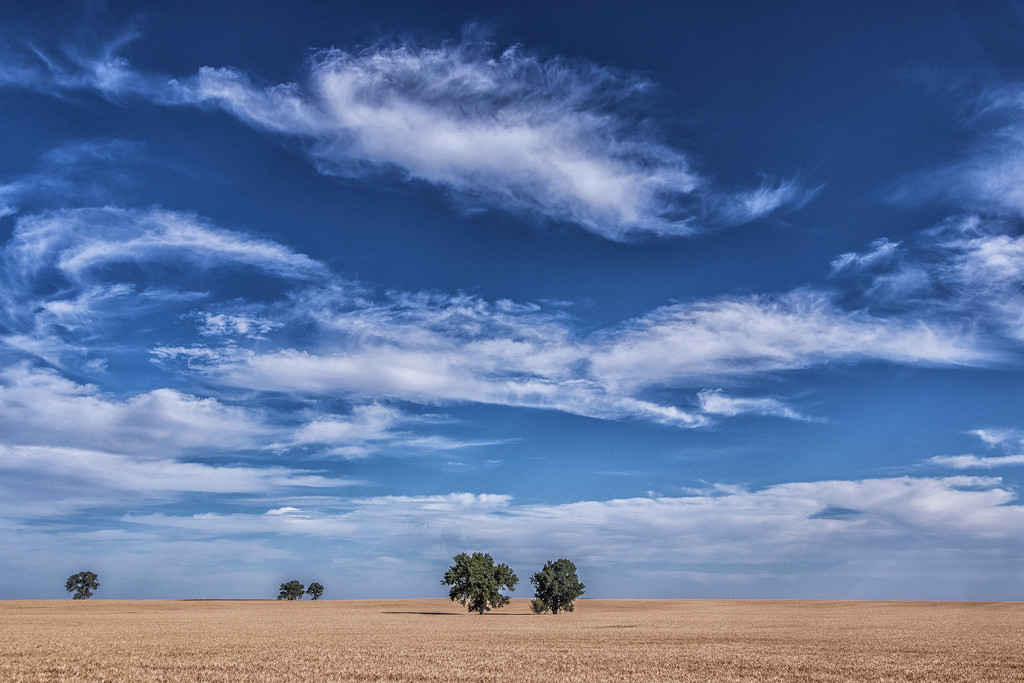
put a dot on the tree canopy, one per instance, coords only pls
(557, 587)
(293, 590)
(82, 584)
(476, 582)
(315, 590)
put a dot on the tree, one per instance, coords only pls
(315, 590)
(83, 584)
(476, 582)
(292, 590)
(557, 587)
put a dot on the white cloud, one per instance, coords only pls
(282, 511)
(741, 207)
(988, 273)
(511, 130)
(965, 462)
(39, 407)
(1007, 440)
(77, 241)
(882, 252)
(45, 480)
(508, 130)
(998, 437)
(57, 290)
(683, 343)
(989, 180)
(716, 402)
(367, 423)
(779, 540)
(224, 324)
(967, 268)
(790, 531)
(721, 521)
(431, 376)
(432, 349)
(373, 428)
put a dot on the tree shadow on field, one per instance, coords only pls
(456, 614)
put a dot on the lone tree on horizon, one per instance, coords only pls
(293, 590)
(315, 590)
(557, 587)
(82, 584)
(476, 582)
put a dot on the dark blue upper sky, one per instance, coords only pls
(715, 299)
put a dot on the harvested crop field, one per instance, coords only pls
(435, 640)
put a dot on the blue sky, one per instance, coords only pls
(714, 299)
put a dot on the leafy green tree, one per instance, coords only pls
(82, 584)
(476, 582)
(293, 590)
(315, 590)
(557, 587)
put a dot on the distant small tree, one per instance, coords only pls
(315, 590)
(476, 582)
(82, 584)
(293, 590)
(557, 587)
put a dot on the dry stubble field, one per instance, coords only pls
(435, 640)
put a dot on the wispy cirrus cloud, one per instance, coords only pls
(987, 181)
(432, 349)
(67, 272)
(59, 270)
(75, 172)
(967, 268)
(507, 129)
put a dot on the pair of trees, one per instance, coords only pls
(82, 584)
(293, 590)
(477, 583)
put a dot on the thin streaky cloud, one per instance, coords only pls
(745, 336)
(717, 402)
(75, 241)
(966, 462)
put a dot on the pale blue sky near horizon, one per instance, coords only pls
(716, 299)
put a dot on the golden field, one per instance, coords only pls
(436, 640)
